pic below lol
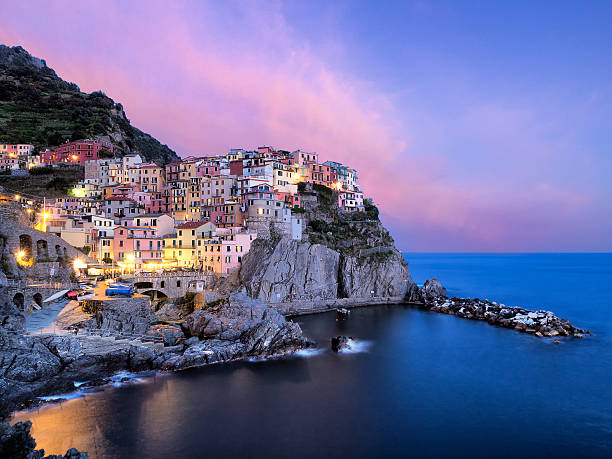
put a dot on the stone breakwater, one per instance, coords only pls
(539, 323)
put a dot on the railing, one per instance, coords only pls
(28, 284)
(171, 274)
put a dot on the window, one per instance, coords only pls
(178, 283)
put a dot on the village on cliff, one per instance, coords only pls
(201, 213)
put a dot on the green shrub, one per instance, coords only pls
(370, 209)
(91, 306)
(42, 170)
(318, 226)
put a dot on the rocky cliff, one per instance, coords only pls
(235, 327)
(340, 256)
(38, 107)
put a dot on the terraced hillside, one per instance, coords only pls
(38, 107)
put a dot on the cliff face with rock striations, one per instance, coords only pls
(340, 256)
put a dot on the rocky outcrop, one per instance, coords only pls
(239, 327)
(170, 335)
(16, 442)
(431, 290)
(288, 270)
(11, 318)
(117, 315)
(341, 255)
(540, 323)
(339, 343)
(363, 277)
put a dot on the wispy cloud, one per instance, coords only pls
(206, 77)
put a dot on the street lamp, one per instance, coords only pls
(130, 258)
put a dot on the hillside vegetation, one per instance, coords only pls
(38, 107)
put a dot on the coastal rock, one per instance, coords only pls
(16, 442)
(432, 290)
(11, 318)
(170, 334)
(381, 276)
(202, 324)
(290, 270)
(339, 343)
(538, 323)
(261, 331)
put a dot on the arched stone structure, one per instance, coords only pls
(25, 245)
(144, 284)
(42, 249)
(155, 294)
(38, 299)
(19, 300)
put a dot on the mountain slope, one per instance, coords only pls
(38, 107)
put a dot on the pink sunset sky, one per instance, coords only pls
(472, 130)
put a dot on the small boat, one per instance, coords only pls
(56, 296)
(85, 295)
(72, 294)
(342, 314)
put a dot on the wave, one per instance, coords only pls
(305, 353)
(356, 347)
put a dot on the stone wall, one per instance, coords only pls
(172, 286)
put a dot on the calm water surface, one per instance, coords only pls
(423, 384)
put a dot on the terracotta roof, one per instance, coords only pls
(190, 225)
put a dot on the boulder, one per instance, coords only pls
(432, 290)
(339, 343)
(11, 318)
(171, 335)
(202, 324)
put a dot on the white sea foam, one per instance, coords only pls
(356, 347)
(305, 353)
(58, 397)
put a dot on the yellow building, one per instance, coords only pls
(182, 246)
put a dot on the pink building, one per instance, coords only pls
(207, 168)
(78, 151)
(137, 245)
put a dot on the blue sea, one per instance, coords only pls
(419, 384)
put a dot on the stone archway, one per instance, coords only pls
(42, 249)
(38, 299)
(143, 284)
(155, 294)
(19, 300)
(25, 245)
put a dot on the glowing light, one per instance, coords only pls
(19, 256)
(29, 211)
(78, 192)
(130, 257)
(75, 157)
(79, 264)
(17, 197)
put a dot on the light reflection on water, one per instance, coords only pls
(428, 385)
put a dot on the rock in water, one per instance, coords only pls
(339, 343)
(16, 442)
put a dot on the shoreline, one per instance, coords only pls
(106, 381)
